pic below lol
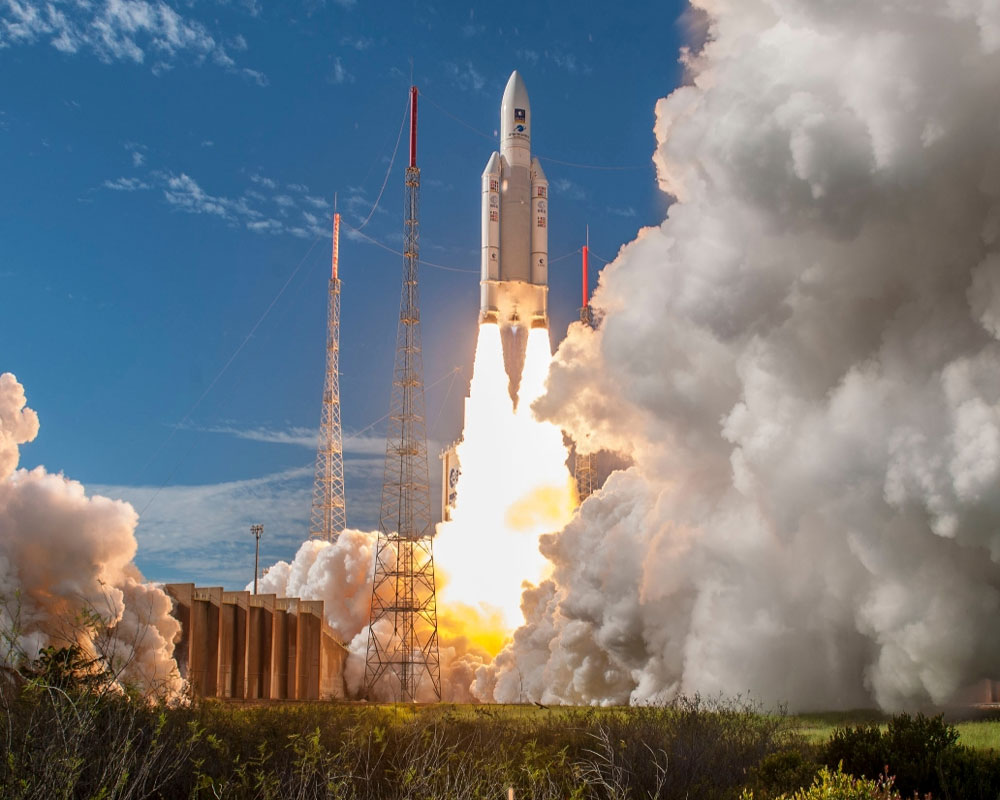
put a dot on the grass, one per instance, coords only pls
(980, 734)
(816, 728)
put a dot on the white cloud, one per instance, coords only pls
(265, 182)
(466, 76)
(116, 30)
(183, 192)
(125, 184)
(339, 74)
(568, 188)
(200, 533)
(317, 202)
(565, 61)
(359, 43)
(265, 226)
(261, 210)
(627, 211)
(359, 445)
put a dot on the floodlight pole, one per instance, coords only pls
(256, 531)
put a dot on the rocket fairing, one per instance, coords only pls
(515, 256)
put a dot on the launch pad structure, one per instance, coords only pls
(329, 506)
(403, 631)
(584, 468)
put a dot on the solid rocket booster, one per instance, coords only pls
(515, 257)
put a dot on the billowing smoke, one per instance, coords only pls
(802, 363)
(340, 573)
(66, 571)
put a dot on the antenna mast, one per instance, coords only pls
(403, 635)
(329, 506)
(585, 469)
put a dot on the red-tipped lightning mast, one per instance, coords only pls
(335, 265)
(413, 126)
(585, 468)
(403, 658)
(329, 507)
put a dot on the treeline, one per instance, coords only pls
(70, 732)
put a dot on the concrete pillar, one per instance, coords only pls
(243, 646)
(181, 595)
(260, 638)
(284, 649)
(233, 644)
(333, 655)
(203, 664)
(310, 625)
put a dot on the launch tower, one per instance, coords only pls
(329, 506)
(584, 467)
(403, 636)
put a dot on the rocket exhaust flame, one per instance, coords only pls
(514, 487)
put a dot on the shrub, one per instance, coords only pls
(782, 772)
(838, 785)
(922, 753)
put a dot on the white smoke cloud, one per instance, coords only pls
(63, 556)
(802, 363)
(341, 573)
(338, 573)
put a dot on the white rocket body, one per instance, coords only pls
(515, 257)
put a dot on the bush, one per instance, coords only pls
(782, 772)
(922, 753)
(838, 785)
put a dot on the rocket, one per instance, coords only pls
(515, 255)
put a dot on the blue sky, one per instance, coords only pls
(167, 177)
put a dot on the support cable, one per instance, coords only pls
(392, 161)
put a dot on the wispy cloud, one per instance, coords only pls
(466, 76)
(267, 183)
(124, 30)
(138, 153)
(183, 192)
(565, 61)
(358, 43)
(125, 185)
(263, 206)
(566, 188)
(200, 533)
(358, 445)
(338, 73)
(627, 211)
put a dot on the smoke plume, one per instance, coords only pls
(340, 573)
(66, 571)
(802, 363)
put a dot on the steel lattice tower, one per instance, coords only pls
(329, 506)
(584, 467)
(403, 637)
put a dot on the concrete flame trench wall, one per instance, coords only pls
(255, 647)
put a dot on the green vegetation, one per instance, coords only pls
(69, 730)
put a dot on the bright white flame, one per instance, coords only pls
(514, 486)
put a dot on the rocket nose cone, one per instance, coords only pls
(516, 93)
